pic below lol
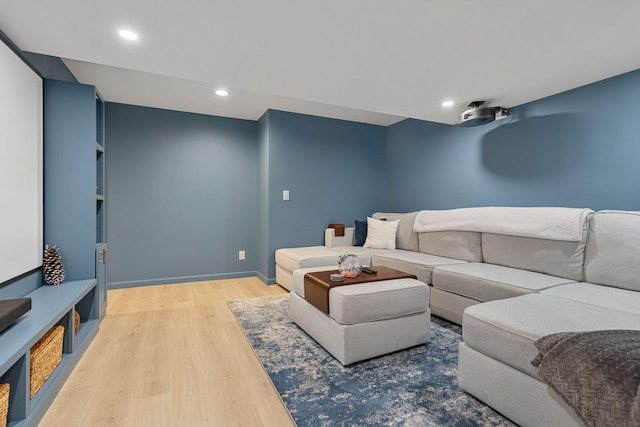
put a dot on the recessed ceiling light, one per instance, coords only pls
(447, 104)
(129, 35)
(221, 92)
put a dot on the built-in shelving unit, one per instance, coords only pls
(50, 306)
(101, 244)
(74, 221)
(100, 193)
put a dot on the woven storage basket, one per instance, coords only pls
(45, 356)
(76, 321)
(4, 404)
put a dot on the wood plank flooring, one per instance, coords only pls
(171, 355)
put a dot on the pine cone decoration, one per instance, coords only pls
(52, 266)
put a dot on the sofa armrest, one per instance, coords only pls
(331, 240)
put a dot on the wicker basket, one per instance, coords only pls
(76, 320)
(4, 404)
(45, 356)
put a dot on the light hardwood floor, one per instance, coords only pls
(171, 355)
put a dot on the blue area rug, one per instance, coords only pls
(413, 387)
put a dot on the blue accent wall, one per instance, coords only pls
(580, 148)
(181, 196)
(186, 192)
(334, 170)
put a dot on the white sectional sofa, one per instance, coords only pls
(511, 276)
(290, 259)
(468, 266)
(495, 357)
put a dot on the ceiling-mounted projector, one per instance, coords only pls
(478, 115)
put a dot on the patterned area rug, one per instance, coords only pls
(413, 387)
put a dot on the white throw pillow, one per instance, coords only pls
(381, 234)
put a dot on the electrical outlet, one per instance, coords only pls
(241, 255)
(285, 194)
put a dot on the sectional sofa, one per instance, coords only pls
(290, 259)
(509, 276)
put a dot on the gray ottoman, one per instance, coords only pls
(365, 320)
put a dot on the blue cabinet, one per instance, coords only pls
(101, 248)
(101, 275)
(74, 177)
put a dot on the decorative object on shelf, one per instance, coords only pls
(349, 265)
(52, 266)
(45, 355)
(4, 403)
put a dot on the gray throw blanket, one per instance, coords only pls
(596, 373)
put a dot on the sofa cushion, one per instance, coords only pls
(554, 257)
(291, 259)
(488, 282)
(613, 249)
(602, 296)
(464, 245)
(505, 330)
(381, 234)
(416, 263)
(370, 302)
(309, 256)
(361, 232)
(406, 238)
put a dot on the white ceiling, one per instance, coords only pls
(364, 60)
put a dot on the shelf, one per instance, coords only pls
(100, 171)
(50, 306)
(85, 329)
(99, 119)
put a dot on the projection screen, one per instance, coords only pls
(21, 183)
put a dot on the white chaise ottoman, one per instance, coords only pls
(289, 260)
(365, 320)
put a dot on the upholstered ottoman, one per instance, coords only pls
(365, 320)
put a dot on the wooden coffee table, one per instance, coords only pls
(318, 284)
